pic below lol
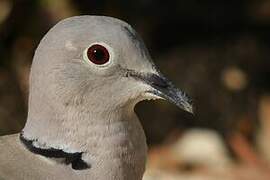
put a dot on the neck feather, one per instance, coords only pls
(106, 138)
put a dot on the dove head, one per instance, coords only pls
(88, 68)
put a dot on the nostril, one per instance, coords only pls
(158, 81)
(150, 78)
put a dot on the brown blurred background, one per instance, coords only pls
(216, 50)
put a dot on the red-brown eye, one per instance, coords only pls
(98, 54)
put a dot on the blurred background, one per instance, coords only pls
(216, 50)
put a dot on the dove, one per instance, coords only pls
(88, 73)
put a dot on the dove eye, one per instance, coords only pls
(98, 54)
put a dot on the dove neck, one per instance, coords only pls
(67, 125)
(82, 130)
(106, 139)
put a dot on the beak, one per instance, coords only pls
(164, 89)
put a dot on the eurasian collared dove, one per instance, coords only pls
(87, 75)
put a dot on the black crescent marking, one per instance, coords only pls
(75, 159)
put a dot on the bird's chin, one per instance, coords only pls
(149, 95)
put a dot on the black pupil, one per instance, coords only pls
(99, 55)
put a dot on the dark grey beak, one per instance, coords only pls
(165, 89)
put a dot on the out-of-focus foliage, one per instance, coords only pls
(217, 51)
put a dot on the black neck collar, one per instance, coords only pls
(75, 159)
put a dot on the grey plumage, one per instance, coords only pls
(78, 106)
